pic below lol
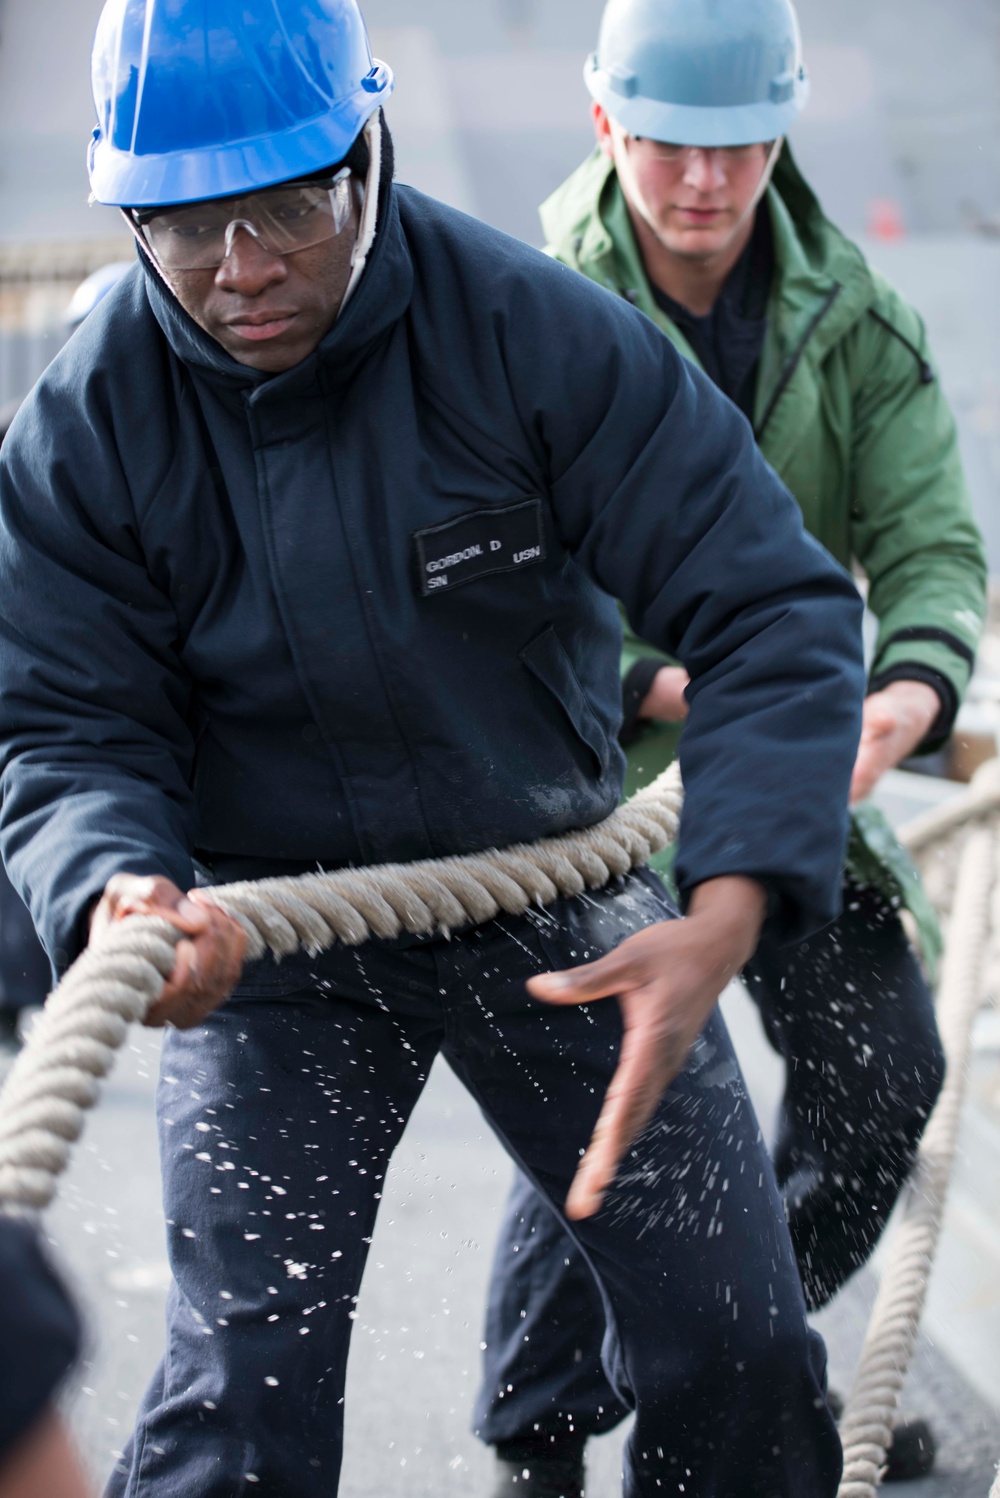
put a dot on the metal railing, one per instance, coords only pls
(36, 284)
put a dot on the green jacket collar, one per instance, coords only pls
(822, 285)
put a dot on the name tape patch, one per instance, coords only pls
(476, 545)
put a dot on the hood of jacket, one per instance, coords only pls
(829, 369)
(822, 283)
(381, 299)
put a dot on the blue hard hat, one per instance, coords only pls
(207, 98)
(94, 289)
(700, 72)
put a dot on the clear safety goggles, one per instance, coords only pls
(660, 150)
(294, 216)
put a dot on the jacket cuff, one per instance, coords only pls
(941, 729)
(635, 689)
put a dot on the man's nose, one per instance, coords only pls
(703, 169)
(249, 267)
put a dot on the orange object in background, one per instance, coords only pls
(885, 220)
(967, 751)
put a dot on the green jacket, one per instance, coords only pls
(850, 415)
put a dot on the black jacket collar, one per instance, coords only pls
(379, 302)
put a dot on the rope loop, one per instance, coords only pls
(120, 976)
(56, 1078)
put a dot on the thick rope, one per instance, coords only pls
(441, 895)
(55, 1080)
(981, 800)
(866, 1427)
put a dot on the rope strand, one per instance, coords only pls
(56, 1078)
(866, 1427)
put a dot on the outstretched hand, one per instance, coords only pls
(895, 722)
(667, 980)
(209, 958)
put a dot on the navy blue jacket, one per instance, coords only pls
(362, 611)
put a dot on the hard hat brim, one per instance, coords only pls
(696, 125)
(123, 180)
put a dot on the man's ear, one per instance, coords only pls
(602, 128)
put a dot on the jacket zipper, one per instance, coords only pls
(792, 364)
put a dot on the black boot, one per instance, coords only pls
(913, 1450)
(540, 1467)
(10, 1032)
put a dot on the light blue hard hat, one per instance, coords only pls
(207, 98)
(700, 72)
(91, 292)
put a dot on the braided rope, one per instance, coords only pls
(56, 1078)
(866, 1427)
(973, 805)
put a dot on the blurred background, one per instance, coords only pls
(901, 140)
(902, 143)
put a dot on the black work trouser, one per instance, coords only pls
(278, 1118)
(852, 1015)
(25, 971)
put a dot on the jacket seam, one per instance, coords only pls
(792, 363)
(347, 520)
(490, 436)
(927, 375)
(264, 493)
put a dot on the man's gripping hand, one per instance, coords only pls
(665, 701)
(667, 980)
(209, 957)
(896, 721)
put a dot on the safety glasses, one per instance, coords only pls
(294, 216)
(663, 151)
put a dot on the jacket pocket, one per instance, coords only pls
(547, 660)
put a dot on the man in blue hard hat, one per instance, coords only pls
(309, 539)
(693, 210)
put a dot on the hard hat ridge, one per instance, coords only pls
(205, 98)
(700, 72)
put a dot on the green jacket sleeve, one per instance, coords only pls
(639, 665)
(912, 528)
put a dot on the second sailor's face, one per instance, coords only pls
(269, 311)
(697, 197)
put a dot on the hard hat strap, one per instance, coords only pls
(369, 212)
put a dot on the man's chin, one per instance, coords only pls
(693, 243)
(272, 356)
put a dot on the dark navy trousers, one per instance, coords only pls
(852, 1015)
(278, 1118)
(25, 971)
